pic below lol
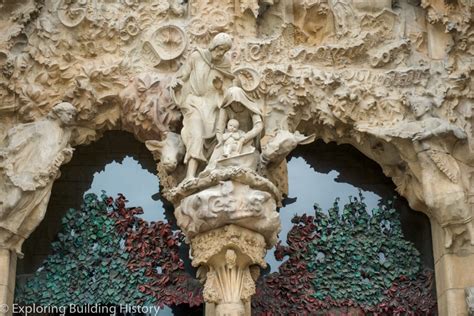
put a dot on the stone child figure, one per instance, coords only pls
(231, 139)
(198, 90)
(237, 105)
(29, 164)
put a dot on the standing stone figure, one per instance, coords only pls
(29, 164)
(344, 17)
(198, 90)
(441, 175)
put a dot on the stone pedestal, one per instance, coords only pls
(229, 218)
(7, 280)
(454, 273)
(229, 261)
(229, 202)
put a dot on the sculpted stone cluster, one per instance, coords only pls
(29, 164)
(222, 91)
(229, 260)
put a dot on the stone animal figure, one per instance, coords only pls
(281, 144)
(170, 151)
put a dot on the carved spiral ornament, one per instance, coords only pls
(72, 12)
(219, 19)
(249, 78)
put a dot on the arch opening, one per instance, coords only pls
(117, 164)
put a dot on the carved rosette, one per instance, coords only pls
(228, 259)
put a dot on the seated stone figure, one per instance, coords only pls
(239, 107)
(231, 139)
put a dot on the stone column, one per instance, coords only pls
(229, 260)
(229, 218)
(7, 280)
(454, 271)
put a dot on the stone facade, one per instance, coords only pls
(391, 78)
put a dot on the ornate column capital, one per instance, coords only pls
(229, 260)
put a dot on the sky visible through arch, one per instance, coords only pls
(309, 187)
(306, 184)
(132, 180)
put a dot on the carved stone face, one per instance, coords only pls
(233, 126)
(66, 116)
(219, 51)
(419, 109)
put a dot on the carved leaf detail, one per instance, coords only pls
(446, 164)
(146, 82)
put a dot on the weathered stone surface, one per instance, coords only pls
(229, 203)
(391, 78)
(30, 163)
(470, 300)
(115, 63)
(228, 259)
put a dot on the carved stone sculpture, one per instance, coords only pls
(229, 259)
(198, 90)
(444, 195)
(279, 145)
(222, 126)
(229, 202)
(169, 152)
(29, 165)
(354, 72)
(231, 139)
(344, 17)
(239, 107)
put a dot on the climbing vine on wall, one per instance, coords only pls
(154, 248)
(350, 261)
(105, 254)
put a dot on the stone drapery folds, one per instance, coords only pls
(29, 164)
